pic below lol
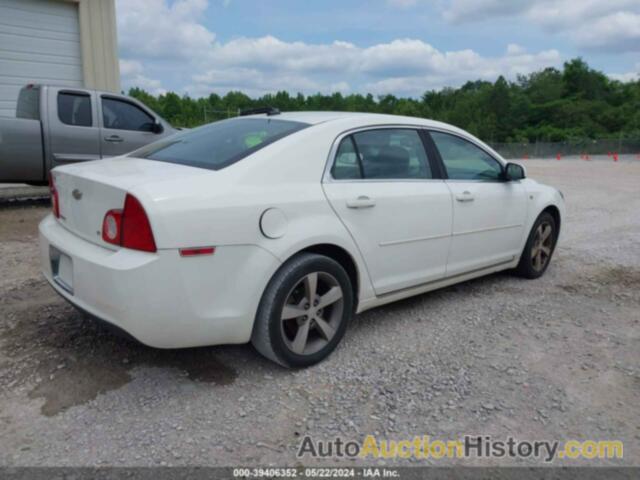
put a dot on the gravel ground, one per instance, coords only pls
(555, 358)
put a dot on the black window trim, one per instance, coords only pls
(357, 153)
(442, 166)
(328, 177)
(123, 100)
(77, 93)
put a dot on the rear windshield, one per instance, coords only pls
(219, 144)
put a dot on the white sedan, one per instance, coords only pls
(278, 228)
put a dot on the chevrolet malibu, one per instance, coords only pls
(278, 228)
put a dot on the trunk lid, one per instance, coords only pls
(87, 191)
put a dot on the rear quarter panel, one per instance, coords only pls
(224, 207)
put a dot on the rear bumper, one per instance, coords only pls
(162, 299)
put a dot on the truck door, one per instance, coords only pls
(126, 126)
(72, 133)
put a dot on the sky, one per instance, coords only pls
(402, 47)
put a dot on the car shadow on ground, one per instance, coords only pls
(68, 359)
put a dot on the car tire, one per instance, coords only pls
(539, 248)
(304, 311)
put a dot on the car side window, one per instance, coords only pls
(121, 115)
(382, 154)
(346, 166)
(465, 161)
(74, 109)
(393, 153)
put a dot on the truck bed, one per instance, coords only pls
(21, 150)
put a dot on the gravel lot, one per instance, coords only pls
(556, 358)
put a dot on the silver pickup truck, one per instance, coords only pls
(58, 125)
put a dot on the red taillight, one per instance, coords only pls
(136, 229)
(129, 227)
(55, 198)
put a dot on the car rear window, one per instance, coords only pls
(219, 144)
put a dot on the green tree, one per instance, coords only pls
(576, 102)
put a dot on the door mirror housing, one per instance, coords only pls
(157, 127)
(514, 172)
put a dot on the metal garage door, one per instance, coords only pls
(39, 43)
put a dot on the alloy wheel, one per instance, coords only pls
(542, 246)
(312, 313)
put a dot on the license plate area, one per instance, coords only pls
(61, 269)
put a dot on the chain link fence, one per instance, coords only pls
(568, 148)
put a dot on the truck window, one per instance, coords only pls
(74, 109)
(121, 115)
(29, 103)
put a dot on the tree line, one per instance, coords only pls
(551, 105)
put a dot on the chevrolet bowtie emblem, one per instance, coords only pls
(77, 194)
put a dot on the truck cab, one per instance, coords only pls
(60, 125)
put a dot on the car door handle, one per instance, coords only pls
(361, 202)
(465, 196)
(114, 139)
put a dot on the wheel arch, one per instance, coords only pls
(555, 213)
(344, 258)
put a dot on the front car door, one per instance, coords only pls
(125, 126)
(385, 190)
(488, 212)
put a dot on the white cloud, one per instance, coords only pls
(130, 67)
(274, 54)
(455, 68)
(132, 75)
(628, 76)
(592, 24)
(161, 39)
(402, 3)
(619, 31)
(252, 81)
(472, 10)
(157, 29)
(555, 14)
(625, 77)
(404, 66)
(514, 49)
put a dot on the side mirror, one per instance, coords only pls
(514, 172)
(157, 127)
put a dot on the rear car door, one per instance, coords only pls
(72, 130)
(387, 193)
(125, 126)
(488, 212)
